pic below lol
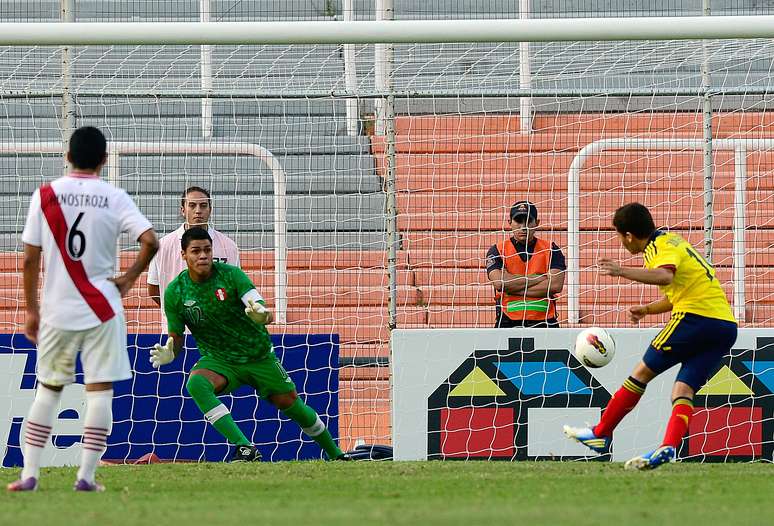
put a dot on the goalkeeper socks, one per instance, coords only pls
(619, 406)
(37, 429)
(96, 428)
(310, 423)
(682, 409)
(217, 414)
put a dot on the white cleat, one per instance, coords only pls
(657, 457)
(637, 463)
(586, 436)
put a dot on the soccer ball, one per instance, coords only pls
(594, 347)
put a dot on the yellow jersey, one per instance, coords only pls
(695, 288)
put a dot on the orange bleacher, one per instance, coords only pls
(457, 177)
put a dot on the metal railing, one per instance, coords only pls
(738, 146)
(112, 169)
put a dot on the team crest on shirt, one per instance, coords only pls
(221, 294)
(192, 313)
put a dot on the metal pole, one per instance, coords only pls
(657, 143)
(69, 111)
(112, 166)
(740, 198)
(706, 82)
(112, 170)
(393, 239)
(350, 75)
(206, 74)
(573, 233)
(369, 93)
(279, 178)
(394, 32)
(382, 66)
(525, 74)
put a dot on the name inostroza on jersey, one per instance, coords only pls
(91, 200)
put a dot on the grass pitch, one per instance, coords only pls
(372, 493)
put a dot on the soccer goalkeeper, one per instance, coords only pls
(226, 315)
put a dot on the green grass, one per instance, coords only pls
(470, 493)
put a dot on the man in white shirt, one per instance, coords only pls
(196, 208)
(75, 223)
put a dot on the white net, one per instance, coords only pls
(462, 158)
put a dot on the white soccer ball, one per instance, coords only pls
(594, 347)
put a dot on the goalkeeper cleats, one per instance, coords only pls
(28, 484)
(246, 454)
(652, 460)
(344, 457)
(586, 436)
(84, 485)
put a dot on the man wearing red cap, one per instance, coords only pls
(527, 273)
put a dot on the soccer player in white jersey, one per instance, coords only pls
(196, 208)
(75, 223)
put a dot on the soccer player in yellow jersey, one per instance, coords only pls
(701, 330)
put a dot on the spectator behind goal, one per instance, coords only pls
(526, 272)
(196, 209)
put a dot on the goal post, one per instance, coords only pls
(392, 31)
(365, 197)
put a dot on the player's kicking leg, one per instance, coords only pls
(599, 437)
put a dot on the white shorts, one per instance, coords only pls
(103, 353)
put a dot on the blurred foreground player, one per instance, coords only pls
(75, 223)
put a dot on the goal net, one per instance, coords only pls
(389, 208)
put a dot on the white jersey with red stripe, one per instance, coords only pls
(77, 221)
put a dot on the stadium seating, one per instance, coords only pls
(456, 180)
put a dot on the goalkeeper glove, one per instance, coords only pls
(162, 354)
(257, 312)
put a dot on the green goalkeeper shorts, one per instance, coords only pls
(267, 375)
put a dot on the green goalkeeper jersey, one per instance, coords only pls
(214, 313)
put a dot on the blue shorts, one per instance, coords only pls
(697, 342)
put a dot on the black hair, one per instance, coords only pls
(635, 219)
(87, 148)
(195, 189)
(194, 234)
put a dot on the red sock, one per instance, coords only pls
(682, 409)
(619, 406)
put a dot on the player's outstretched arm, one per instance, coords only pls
(164, 354)
(656, 276)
